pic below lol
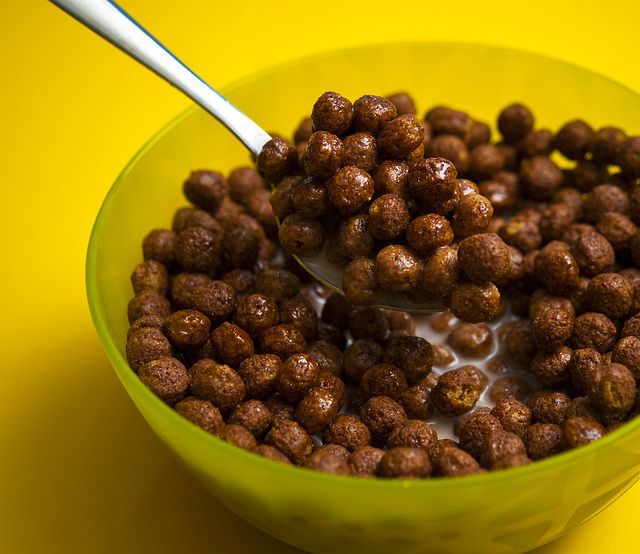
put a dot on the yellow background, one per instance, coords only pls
(79, 469)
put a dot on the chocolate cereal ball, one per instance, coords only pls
(326, 460)
(543, 440)
(381, 415)
(146, 344)
(366, 322)
(150, 274)
(501, 195)
(556, 219)
(238, 435)
(473, 430)
(217, 383)
(606, 144)
(556, 268)
(583, 368)
(272, 453)
(610, 294)
(364, 461)
(259, 373)
(277, 159)
(332, 112)
(552, 368)
(540, 177)
(327, 356)
(428, 232)
(215, 299)
(574, 139)
(290, 438)
(593, 252)
(384, 380)
(205, 189)
(552, 324)
(472, 215)
(514, 416)
(299, 312)
(166, 377)
(449, 461)
(484, 161)
(388, 217)
(472, 340)
(201, 413)
(432, 182)
(350, 189)
(309, 198)
(447, 121)
(359, 356)
(317, 409)
(322, 156)
(451, 148)
(514, 122)
(371, 113)
(484, 257)
(301, 236)
(231, 343)
(400, 136)
(456, 392)
(198, 249)
(256, 313)
(413, 433)
(347, 431)
(397, 268)
(413, 355)
(549, 406)
(578, 431)
(404, 462)
(283, 340)
(253, 415)
(390, 176)
(613, 390)
(403, 102)
(360, 150)
(187, 329)
(627, 353)
(354, 237)
(147, 302)
(502, 450)
(281, 196)
(535, 143)
(440, 273)
(618, 229)
(360, 281)
(593, 330)
(475, 303)
(185, 218)
(603, 199)
(159, 245)
(243, 182)
(297, 376)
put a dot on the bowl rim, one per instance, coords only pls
(128, 377)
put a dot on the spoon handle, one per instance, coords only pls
(112, 23)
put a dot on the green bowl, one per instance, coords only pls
(500, 512)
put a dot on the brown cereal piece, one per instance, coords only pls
(502, 196)
(299, 313)
(232, 344)
(478, 133)
(432, 182)
(253, 415)
(519, 343)
(390, 177)
(215, 299)
(522, 233)
(359, 356)
(244, 182)
(400, 136)
(184, 218)
(241, 280)
(593, 330)
(556, 268)
(451, 148)
(347, 431)
(201, 413)
(228, 212)
(456, 392)
(632, 275)
(549, 406)
(355, 238)
(277, 159)
(413, 433)
(332, 334)
(574, 138)
(309, 198)
(146, 321)
(277, 283)
(384, 380)
(627, 353)
(279, 408)
(441, 356)
(618, 229)
(403, 102)
(474, 428)
(145, 345)
(502, 449)
(508, 387)
(586, 175)
(240, 248)
(332, 112)
(297, 376)
(552, 368)
(327, 356)
(582, 406)
(159, 245)
(336, 310)
(166, 377)
(333, 383)
(629, 156)
(301, 236)
(360, 150)
(466, 187)
(381, 415)
(417, 402)
(569, 196)
(610, 294)
(442, 322)
(256, 313)
(579, 431)
(238, 435)
(217, 383)
(552, 325)
(604, 199)
(150, 274)
(360, 281)
(272, 453)
(147, 302)
(514, 415)
(475, 303)
(317, 409)
(540, 177)
(514, 122)
(404, 462)
(205, 189)
(606, 144)
(473, 340)
(485, 160)
(371, 113)
(536, 143)
(593, 252)
(447, 121)
(327, 461)
(613, 390)
(283, 340)
(366, 322)
(440, 273)
(583, 367)
(397, 268)
(413, 355)
(556, 219)
(401, 323)
(364, 461)
(543, 440)
(388, 217)
(472, 215)
(427, 232)
(290, 438)
(187, 329)
(484, 257)
(281, 196)
(350, 189)
(450, 461)
(510, 155)
(199, 249)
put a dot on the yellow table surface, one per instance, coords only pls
(79, 469)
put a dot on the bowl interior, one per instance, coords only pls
(312, 510)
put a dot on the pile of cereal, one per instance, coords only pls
(229, 331)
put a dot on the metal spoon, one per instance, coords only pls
(112, 23)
